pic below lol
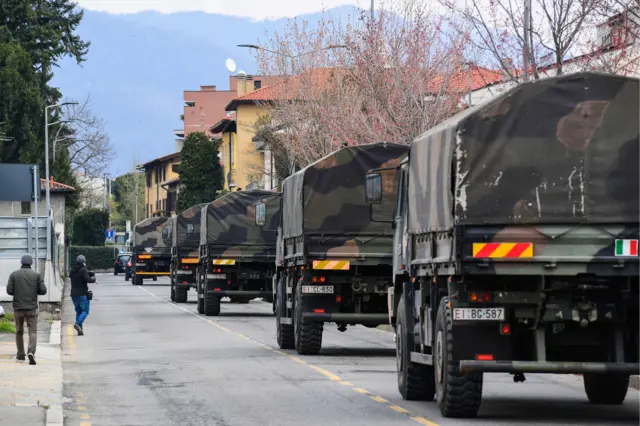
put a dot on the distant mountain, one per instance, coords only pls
(139, 64)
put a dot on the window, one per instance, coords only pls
(25, 207)
(149, 179)
(231, 148)
(257, 84)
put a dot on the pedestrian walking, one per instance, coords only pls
(25, 285)
(80, 278)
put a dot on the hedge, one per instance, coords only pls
(100, 257)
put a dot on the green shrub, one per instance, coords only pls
(97, 257)
(89, 227)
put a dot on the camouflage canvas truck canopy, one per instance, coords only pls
(153, 236)
(562, 150)
(186, 228)
(229, 227)
(326, 198)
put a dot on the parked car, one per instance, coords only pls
(121, 263)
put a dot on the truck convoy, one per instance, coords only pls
(151, 249)
(237, 256)
(334, 255)
(185, 252)
(516, 243)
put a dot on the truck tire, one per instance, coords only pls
(416, 382)
(173, 292)
(182, 294)
(127, 277)
(606, 389)
(155, 278)
(284, 332)
(211, 305)
(459, 395)
(308, 334)
(200, 305)
(137, 280)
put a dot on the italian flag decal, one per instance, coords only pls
(626, 247)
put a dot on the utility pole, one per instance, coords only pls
(372, 10)
(527, 39)
(104, 178)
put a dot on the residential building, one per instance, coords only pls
(161, 185)
(93, 190)
(247, 163)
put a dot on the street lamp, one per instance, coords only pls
(254, 46)
(46, 168)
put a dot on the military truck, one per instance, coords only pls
(334, 255)
(185, 252)
(516, 239)
(151, 249)
(237, 256)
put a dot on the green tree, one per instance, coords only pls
(89, 227)
(201, 174)
(124, 192)
(20, 106)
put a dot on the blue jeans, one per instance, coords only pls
(81, 303)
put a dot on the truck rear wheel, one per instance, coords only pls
(416, 382)
(211, 305)
(137, 280)
(308, 334)
(284, 332)
(182, 294)
(606, 389)
(459, 395)
(173, 291)
(200, 305)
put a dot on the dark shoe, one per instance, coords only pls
(20, 357)
(78, 329)
(32, 359)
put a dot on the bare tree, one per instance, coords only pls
(85, 139)
(552, 32)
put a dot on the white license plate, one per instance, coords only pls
(478, 314)
(184, 272)
(140, 264)
(217, 276)
(321, 289)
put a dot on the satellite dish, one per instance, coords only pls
(231, 65)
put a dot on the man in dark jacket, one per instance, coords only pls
(80, 277)
(25, 285)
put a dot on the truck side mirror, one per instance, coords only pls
(261, 213)
(373, 188)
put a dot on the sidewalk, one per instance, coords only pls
(32, 395)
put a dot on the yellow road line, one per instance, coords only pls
(398, 409)
(346, 383)
(324, 372)
(360, 390)
(424, 421)
(85, 416)
(379, 399)
(85, 423)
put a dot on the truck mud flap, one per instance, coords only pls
(548, 367)
(347, 318)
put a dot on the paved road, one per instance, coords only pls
(147, 361)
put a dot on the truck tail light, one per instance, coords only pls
(480, 296)
(339, 299)
(484, 357)
(316, 279)
(505, 329)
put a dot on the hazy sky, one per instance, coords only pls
(257, 9)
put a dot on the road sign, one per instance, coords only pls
(109, 234)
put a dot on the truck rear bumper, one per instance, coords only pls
(152, 274)
(239, 293)
(371, 319)
(548, 367)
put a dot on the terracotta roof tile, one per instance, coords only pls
(56, 186)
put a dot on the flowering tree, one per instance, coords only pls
(363, 81)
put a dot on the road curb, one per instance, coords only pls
(54, 413)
